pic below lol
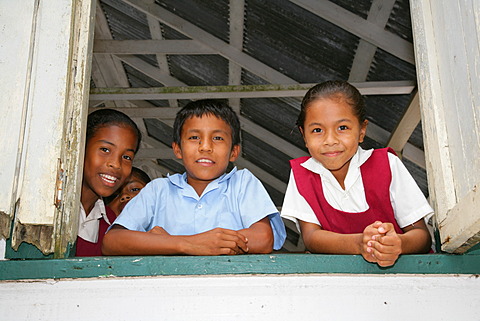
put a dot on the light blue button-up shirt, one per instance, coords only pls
(235, 201)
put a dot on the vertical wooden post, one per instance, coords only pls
(51, 49)
(446, 37)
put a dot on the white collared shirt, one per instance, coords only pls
(89, 224)
(408, 202)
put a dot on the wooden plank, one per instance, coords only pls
(410, 152)
(237, 13)
(405, 127)
(151, 47)
(360, 27)
(460, 70)
(277, 264)
(379, 13)
(461, 228)
(52, 153)
(432, 106)
(156, 33)
(445, 55)
(240, 91)
(224, 49)
(15, 38)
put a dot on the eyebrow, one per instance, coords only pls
(112, 144)
(338, 121)
(214, 131)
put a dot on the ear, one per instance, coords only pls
(363, 131)
(235, 153)
(177, 150)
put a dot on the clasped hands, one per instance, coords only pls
(218, 241)
(381, 244)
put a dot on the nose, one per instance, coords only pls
(205, 145)
(125, 198)
(330, 138)
(114, 162)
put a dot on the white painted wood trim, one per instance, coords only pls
(237, 297)
(19, 38)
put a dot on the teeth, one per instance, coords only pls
(204, 161)
(109, 178)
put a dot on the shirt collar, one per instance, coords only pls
(180, 180)
(357, 160)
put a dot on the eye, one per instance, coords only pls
(135, 189)
(193, 137)
(218, 138)
(104, 149)
(343, 127)
(317, 130)
(128, 157)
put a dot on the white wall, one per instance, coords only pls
(302, 297)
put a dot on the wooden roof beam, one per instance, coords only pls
(151, 47)
(360, 27)
(405, 127)
(237, 13)
(250, 91)
(224, 49)
(379, 14)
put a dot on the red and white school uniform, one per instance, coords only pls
(92, 229)
(377, 187)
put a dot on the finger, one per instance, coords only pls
(385, 255)
(385, 263)
(386, 228)
(232, 233)
(377, 224)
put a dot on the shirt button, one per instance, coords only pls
(199, 206)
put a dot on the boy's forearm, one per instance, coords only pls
(126, 242)
(260, 237)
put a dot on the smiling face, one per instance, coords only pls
(129, 190)
(332, 133)
(108, 162)
(206, 149)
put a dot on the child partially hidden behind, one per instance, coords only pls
(347, 200)
(205, 211)
(132, 186)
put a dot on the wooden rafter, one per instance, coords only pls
(360, 27)
(243, 91)
(156, 34)
(379, 13)
(224, 49)
(405, 127)
(237, 13)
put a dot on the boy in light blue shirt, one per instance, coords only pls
(205, 211)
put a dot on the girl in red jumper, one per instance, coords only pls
(347, 200)
(111, 143)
